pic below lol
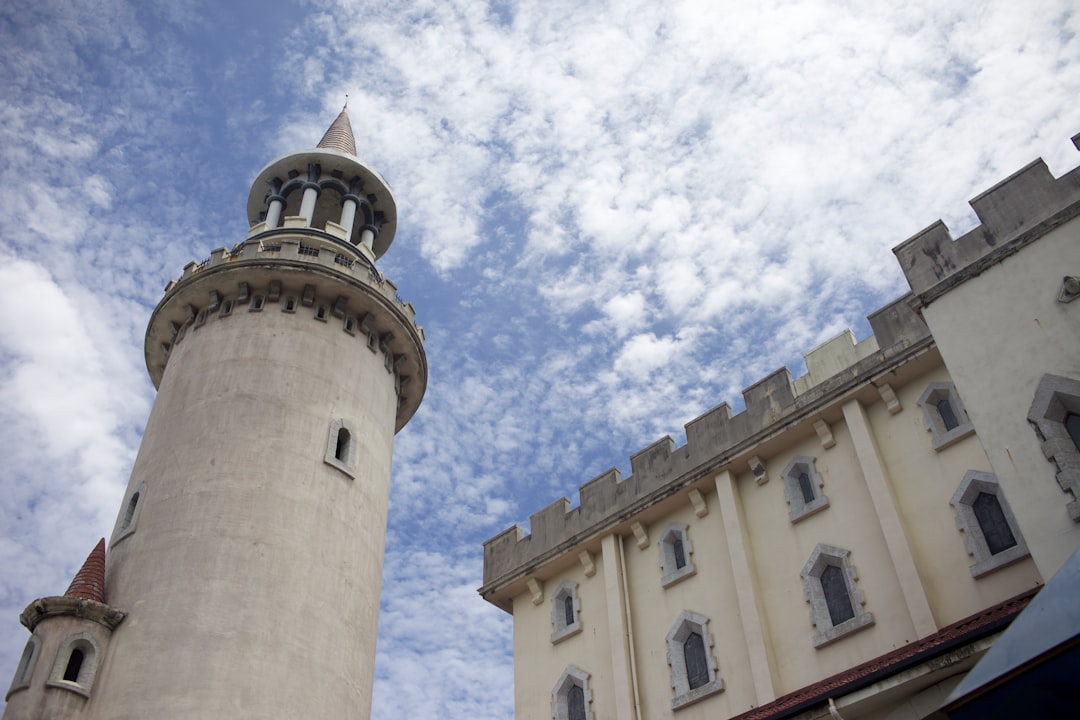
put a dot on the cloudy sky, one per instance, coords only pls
(613, 216)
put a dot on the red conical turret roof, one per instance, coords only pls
(89, 582)
(340, 136)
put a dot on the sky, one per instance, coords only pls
(612, 217)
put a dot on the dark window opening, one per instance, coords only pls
(945, 410)
(341, 451)
(697, 669)
(836, 595)
(320, 312)
(575, 703)
(290, 305)
(679, 552)
(568, 610)
(257, 303)
(806, 487)
(129, 514)
(992, 522)
(1072, 426)
(74, 665)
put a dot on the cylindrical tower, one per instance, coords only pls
(248, 550)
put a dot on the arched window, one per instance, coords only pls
(129, 516)
(571, 698)
(803, 488)
(991, 535)
(76, 665)
(694, 673)
(944, 414)
(341, 447)
(25, 670)
(565, 612)
(675, 551)
(836, 605)
(1055, 416)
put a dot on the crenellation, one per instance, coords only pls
(715, 436)
(1009, 212)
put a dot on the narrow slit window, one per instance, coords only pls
(257, 303)
(697, 668)
(320, 313)
(1072, 426)
(995, 527)
(680, 553)
(836, 595)
(806, 488)
(129, 514)
(568, 609)
(290, 304)
(948, 417)
(74, 665)
(341, 452)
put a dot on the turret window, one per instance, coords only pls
(1055, 417)
(694, 674)
(675, 552)
(76, 665)
(565, 612)
(25, 670)
(803, 488)
(571, 698)
(836, 605)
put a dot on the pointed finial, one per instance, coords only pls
(89, 582)
(346, 102)
(340, 135)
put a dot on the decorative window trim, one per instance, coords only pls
(347, 463)
(87, 670)
(257, 302)
(1055, 398)
(822, 557)
(690, 622)
(943, 437)
(25, 670)
(129, 514)
(673, 534)
(226, 308)
(974, 483)
(560, 628)
(571, 677)
(793, 493)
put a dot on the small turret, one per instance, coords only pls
(69, 637)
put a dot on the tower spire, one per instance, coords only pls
(89, 582)
(339, 136)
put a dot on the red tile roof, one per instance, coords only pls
(89, 582)
(977, 625)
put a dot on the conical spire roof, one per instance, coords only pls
(340, 136)
(89, 582)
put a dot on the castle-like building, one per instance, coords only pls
(849, 544)
(243, 575)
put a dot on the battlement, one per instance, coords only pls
(1012, 213)
(714, 438)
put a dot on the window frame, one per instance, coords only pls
(560, 628)
(814, 593)
(571, 677)
(670, 574)
(799, 508)
(1054, 399)
(24, 671)
(122, 529)
(348, 464)
(974, 483)
(84, 681)
(686, 623)
(943, 437)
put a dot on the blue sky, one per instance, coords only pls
(613, 216)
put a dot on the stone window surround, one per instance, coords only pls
(348, 465)
(814, 594)
(570, 677)
(88, 670)
(560, 629)
(793, 493)
(1055, 397)
(671, 574)
(976, 482)
(686, 623)
(123, 529)
(25, 670)
(942, 438)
